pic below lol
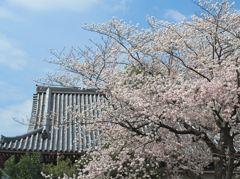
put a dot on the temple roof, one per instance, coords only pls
(51, 127)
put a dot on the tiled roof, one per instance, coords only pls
(51, 128)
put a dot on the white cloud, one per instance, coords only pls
(121, 5)
(48, 5)
(7, 14)
(174, 15)
(20, 112)
(10, 55)
(9, 92)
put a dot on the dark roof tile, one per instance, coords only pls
(51, 129)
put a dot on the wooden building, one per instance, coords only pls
(52, 131)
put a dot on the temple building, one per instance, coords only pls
(51, 130)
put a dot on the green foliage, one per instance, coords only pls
(28, 167)
(64, 166)
(10, 167)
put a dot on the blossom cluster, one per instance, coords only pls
(172, 94)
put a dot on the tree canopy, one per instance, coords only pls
(172, 93)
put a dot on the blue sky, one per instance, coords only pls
(30, 28)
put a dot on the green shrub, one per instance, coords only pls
(64, 166)
(28, 167)
(10, 167)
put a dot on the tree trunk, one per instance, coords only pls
(230, 165)
(219, 169)
(224, 166)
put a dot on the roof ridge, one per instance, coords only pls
(7, 139)
(67, 89)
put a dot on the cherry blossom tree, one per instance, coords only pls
(172, 95)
